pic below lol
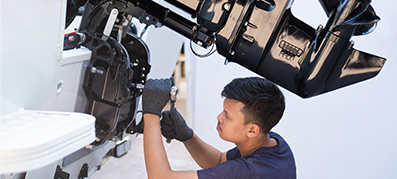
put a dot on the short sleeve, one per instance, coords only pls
(233, 153)
(275, 162)
(237, 168)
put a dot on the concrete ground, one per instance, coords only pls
(132, 165)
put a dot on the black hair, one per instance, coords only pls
(263, 101)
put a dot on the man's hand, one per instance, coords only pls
(155, 95)
(173, 126)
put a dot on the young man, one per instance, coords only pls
(251, 108)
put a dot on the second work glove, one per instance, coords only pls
(173, 126)
(155, 95)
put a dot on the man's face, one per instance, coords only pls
(231, 121)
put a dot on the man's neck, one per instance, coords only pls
(253, 144)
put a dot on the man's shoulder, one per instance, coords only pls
(274, 135)
(278, 137)
(265, 162)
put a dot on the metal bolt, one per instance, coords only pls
(245, 23)
(143, 75)
(71, 38)
(97, 139)
(143, 68)
(226, 6)
(114, 11)
(147, 18)
(199, 43)
(136, 62)
(232, 53)
(95, 70)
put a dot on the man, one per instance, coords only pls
(251, 108)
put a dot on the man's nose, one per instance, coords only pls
(220, 117)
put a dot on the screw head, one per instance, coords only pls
(226, 6)
(114, 11)
(71, 38)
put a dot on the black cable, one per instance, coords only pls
(199, 55)
(205, 55)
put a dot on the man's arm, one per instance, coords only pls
(205, 155)
(156, 160)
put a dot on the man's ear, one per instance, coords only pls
(253, 130)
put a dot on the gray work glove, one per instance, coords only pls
(173, 126)
(155, 95)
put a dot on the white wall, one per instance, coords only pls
(347, 133)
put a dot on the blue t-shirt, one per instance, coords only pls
(266, 162)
